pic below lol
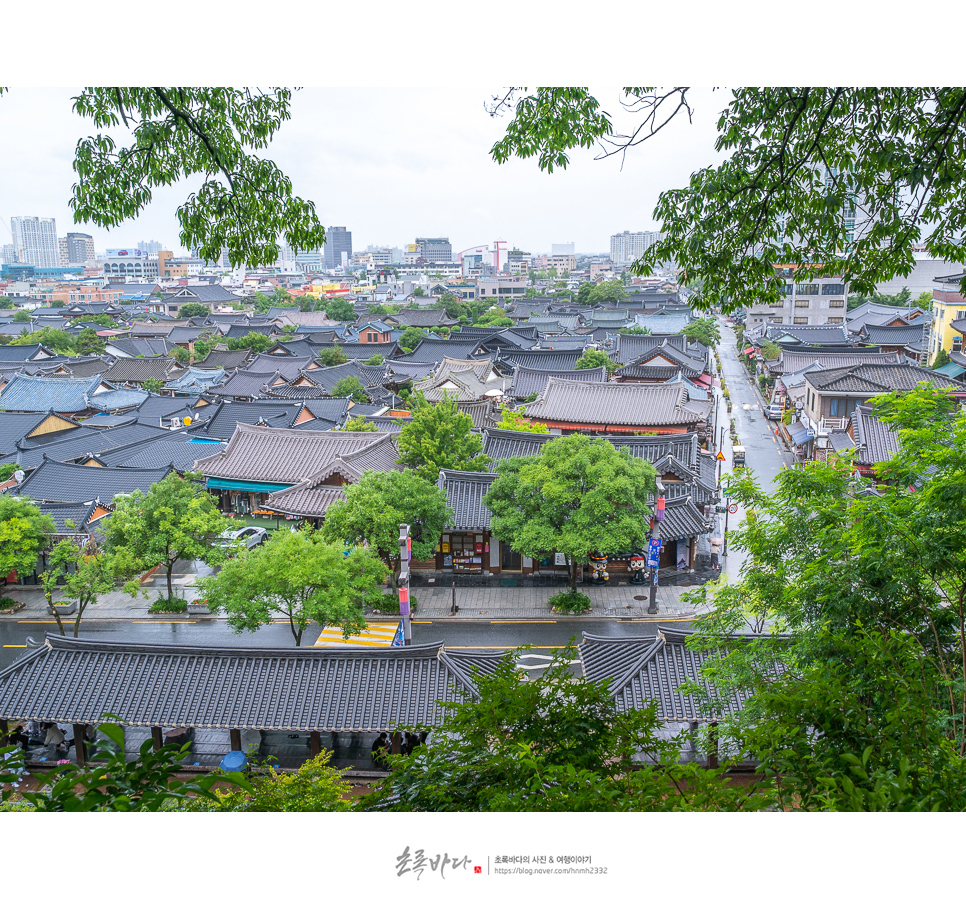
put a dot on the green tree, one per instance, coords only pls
(193, 309)
(145, 784)
(942, 359)
(515, 421)
(58, 304)
(90, 343)
(21, 316)
(175, 519)
(314, 786)
(411, 337)
(417, 292)
(332, 356)
(24, 532)
(923, 301)
(338, 308)
(376, 506)
(152, 385)
(453, 307)
(181, 355)
(595, 358)
(299, 576)
(439, 437)
(305, 303)
(705, 330)
(7, 303)
(592, 294)
(770, 351)
(253, 340)
(374, 360)
(577, 496)
(829, 562)
(244, 204)
(636, 330)
(59, 341)
(380, 309)
(546, 745)
(87, 573)
(359, 423)
(797, 160)
(351, 386)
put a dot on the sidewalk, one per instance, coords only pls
(524, 602)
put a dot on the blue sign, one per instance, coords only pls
(653, 553)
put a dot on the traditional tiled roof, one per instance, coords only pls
(270, 412)
(616, 404)
(683, 519)
(794, 362)
(137, 370)
(286, 365)
(826, 334)
(177, 449)
(631, 347)
(275, 455)
(68, 482)
(304, 500)
(243, 384)
(432, 351)
(914, 335)
(562, 359)
(293, 689)
(408, 370)
(528, 380)
(421, 318)
(464, 495)
(876, 443)
(874, 378)
(223, 357)
(197, 381)
(201, 293)
(664, 324)
(40, 394)
(652, 669)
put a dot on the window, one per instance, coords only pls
(834, 319)
(801, 320)
(806, 289)
(833, 288)
(787, 290)
(840, 408)
(802, 303)
(836, 303)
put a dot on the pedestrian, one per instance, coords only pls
(54, 735)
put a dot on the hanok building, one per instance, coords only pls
(223, 699)
(619, 408)
(258, 462)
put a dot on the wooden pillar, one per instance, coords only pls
(157, 736)
(80, 744)
(713, 745)
(397, 742)
(315, 744)
(235, 734)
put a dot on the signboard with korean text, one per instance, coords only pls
(653, 553)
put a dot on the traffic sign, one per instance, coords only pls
(720, 456)
(732, 509)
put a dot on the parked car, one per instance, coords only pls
(248, 537)
(774, 412)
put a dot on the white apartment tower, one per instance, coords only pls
(626, 247)
(36, 241)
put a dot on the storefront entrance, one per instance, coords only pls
(510, 561)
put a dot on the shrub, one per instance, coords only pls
(389, 603)
(169, 605)
(569, 602)
(7, 603)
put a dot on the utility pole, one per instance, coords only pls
(405, 554)
(724, 548)
(655, 546)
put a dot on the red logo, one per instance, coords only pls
(478, 870)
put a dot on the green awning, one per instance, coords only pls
(241, 485)
(951, 370)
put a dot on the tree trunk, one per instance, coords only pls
(81, 607)
(170, 567)
(53, 612)
(573, 574)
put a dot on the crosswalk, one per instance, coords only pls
(374, 635)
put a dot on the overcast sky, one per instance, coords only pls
(390, 164)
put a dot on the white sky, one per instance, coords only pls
(392, 163)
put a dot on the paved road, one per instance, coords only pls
(549, 634)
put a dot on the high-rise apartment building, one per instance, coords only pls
(151, 247)
(8, 254)
(36, 241)
(562, 249)
(435, 248)
(626, 247)
(338, 242)
(79, 248)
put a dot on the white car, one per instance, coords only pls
(248, 537)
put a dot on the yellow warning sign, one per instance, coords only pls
(720, 456)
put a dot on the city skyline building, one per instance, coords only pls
(338, 247)
(435, 248)
(35, 239)
(626, 247)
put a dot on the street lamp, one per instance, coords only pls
(655, 546)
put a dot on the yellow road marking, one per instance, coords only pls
(675, 620)
(15, 646)
(119, 620)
